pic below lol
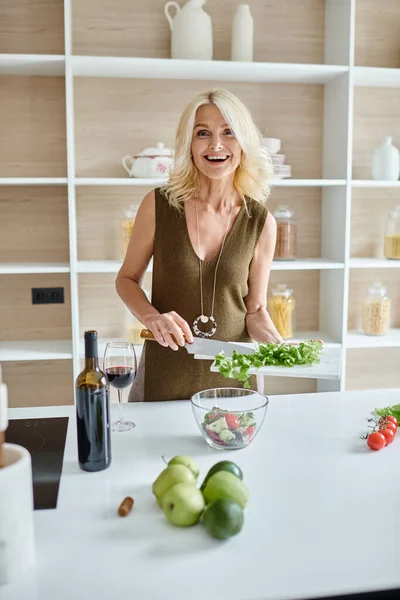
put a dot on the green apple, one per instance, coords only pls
(188, 462)
(183, 504)
(169, 477)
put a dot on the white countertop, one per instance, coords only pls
(323, 516)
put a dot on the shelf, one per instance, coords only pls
(33, 181)
(376, 77)
(32, 64)
(37, 350)
(371, 183)
(306, 264)
(23, 268)
(132, 181)
(373, 263)
(356, 339)
(103, 266)
(165, 68)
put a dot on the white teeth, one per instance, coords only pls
(224, 156)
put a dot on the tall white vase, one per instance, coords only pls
(242, 34)
(386, 161)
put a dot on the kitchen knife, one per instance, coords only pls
(207, 347)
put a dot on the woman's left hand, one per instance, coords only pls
(261, 328)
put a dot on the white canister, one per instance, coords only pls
(17, 549)
(242, 34)
(386, 161)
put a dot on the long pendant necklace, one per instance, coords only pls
(203, 318)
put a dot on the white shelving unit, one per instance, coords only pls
(340, 78)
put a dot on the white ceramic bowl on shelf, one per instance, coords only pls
(273, 145)
(278, 159)
(282, 171)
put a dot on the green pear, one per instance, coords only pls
(169, 477)
(225, 485)
(188, 462)
(183, 504)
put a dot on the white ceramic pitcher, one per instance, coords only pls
(191, 31)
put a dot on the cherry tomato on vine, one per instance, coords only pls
(388, 434)
(376, 440)
(387, 425)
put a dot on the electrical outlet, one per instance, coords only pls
(48, 295)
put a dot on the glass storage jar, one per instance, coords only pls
(376, 311)
(127, 222)
(281, 307)
(285, 248)
(392, 234)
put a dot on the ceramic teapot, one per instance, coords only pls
(191, 31)
(150, 163)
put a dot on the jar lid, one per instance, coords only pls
(282, 289)
(283, 212)
(395, 212)
(159, 150)
(378, 289)
(130, 212)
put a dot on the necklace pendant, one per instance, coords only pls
(204, 319)
(205, 334)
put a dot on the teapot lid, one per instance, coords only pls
(159, 150)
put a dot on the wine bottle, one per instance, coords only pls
(93, 411)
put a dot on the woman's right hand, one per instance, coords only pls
(169, 329)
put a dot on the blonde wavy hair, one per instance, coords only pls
(252, 176)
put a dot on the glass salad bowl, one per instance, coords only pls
(229, 418)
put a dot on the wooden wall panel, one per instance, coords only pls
(34, 224)
(39, 383)
(377, 42)
(360, 281)
(369, 211)
(373, 368)
(284, 30)
(99, 211)
(32, 125)
(100, 306)
(20, 320)
(134, 114)
(376, 114)
(28, 27)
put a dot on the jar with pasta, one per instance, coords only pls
(127, 222)
(376, 311)
(281, 306)
(285, 248)
(392, 234)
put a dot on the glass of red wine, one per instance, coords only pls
(120, 366)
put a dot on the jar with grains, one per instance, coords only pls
(376, 311)
(285, 248)
(281, 306)
(127, 222)
(392, 234)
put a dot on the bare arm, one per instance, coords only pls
(258, 322)
(130, 277)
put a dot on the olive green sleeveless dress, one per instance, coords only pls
(165, 374)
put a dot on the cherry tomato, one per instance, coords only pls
(388, 434)
(376, 440)
(393, 419)
(231, 420)
(387, 425)
(250, 430)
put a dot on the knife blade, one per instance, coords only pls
(207, 347)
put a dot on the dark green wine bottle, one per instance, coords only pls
(93, 411)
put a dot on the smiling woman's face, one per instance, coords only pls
(216, 152)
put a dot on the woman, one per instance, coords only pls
(212, 242)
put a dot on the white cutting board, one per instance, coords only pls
(329, 366)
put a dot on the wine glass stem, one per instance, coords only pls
(120, 410)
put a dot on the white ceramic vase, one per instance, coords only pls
(386, 162)
(191, 31)
(17, 550)
(242, 34)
